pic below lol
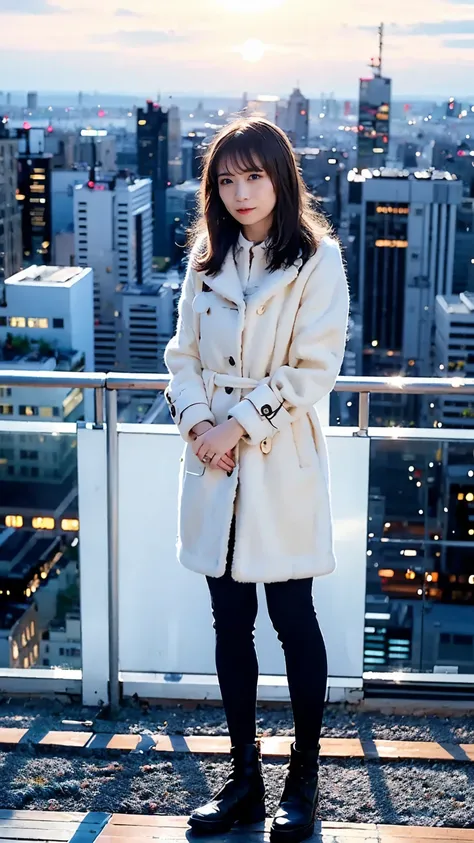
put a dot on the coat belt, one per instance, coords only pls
(212, 379)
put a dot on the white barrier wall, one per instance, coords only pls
(165, 624)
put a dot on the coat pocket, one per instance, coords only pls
(304, 443)
(192, 463)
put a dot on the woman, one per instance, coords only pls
(260, 339)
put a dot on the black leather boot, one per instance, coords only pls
(241, 799)
(294, 819)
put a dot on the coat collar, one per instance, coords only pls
(227, 282)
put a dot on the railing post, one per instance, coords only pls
(112, 535)
(364, 404)
(99, 406)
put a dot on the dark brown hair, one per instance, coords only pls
(253, 143)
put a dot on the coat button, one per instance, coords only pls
(266, 446)
(229, 390)
(231, 361)
(266, 410)
(261, 309)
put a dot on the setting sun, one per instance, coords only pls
(253, 50)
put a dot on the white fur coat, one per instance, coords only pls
(266, 361)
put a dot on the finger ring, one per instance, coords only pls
(206, 458)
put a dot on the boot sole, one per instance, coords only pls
(252, 816)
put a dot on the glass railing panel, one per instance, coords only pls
(420, 556)
(39, 538)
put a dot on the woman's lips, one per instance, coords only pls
(245, 210)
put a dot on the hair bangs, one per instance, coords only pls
(243, 151)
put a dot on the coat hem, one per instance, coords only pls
(302, 567)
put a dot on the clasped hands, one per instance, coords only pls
(214, 444)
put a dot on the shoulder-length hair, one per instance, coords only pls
(253, 144)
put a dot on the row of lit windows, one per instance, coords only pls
(388, 209)
(392, 244)
(30, 322)
(43, 522)
(28, 410)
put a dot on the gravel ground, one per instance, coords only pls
(140, 718)
(351, 791)
(402, 793)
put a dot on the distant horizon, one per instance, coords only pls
(200, 95)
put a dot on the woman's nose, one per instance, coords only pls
(241, 191)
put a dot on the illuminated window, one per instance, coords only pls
(46, 412)
(40, 523)
(392, 244)
(6, 409)
(17, 322)
(15, 652)
(28, 636)
(37, 322)
(70, 524)
(35, 651)
(14, 521)
(28, 410)
(32, 628)
(23, 639)
(25, 662)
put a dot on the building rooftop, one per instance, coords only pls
(399, 173)
(48, 276)
(461, 305)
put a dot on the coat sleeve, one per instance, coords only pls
(185, 392)
(315, 355)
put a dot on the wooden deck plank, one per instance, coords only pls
(11, 736)
(66, 739)
(93, 817)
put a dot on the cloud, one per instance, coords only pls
(461, 43)
(127, 13)
(141, 37)
(29, 7)
(460, 2)
(443, 27)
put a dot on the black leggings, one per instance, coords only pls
(291, 610)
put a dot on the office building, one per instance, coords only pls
(403, 229)
(463, 278)
(63, 183)
(175, 156)
(32, 100)
(181, 207)
(192, 151)
(297, 118)
(323, 172)
(113, 235)
(34, 195)
(374, 115)
(153, 164)
(11, 253)
(46, 326)
(454, 356)
(147, 323)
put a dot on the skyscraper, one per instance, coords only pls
(34, 186)
(152, 158)
(406, 255)
(374, 115)
(11, 254)
(113, 235)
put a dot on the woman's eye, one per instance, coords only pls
(255, 176)
(225, 181)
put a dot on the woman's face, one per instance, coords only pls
(248, 196)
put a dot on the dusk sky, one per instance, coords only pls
(181, 46)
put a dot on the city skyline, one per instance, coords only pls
(269, 45)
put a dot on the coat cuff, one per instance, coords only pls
(261, 414)
(187, 411)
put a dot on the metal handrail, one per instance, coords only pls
(132, 380)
